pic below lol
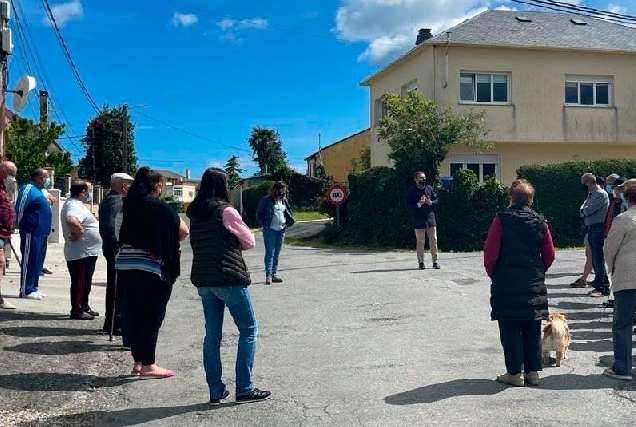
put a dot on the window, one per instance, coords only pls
(409, 87)
(483, 165)
(177, 192)
(380, 109)
(588, 90)
(483, 88)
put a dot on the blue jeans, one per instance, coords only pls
(273, 240)
(238, 301)
(624, 306)
(596, 239)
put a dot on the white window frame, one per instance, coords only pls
(593, 80)
(481, 159)
(380, 108)
(492, 94)
(177, 191)
(409, 87)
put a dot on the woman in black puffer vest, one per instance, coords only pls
(517, 253)
(218, 236)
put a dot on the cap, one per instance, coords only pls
(121, 176)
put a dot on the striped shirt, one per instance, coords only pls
(130, 258)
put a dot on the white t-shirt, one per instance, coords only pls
(89, 243)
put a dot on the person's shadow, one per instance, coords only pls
(483, 387)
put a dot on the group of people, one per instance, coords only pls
(519, 250)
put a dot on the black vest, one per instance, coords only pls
(518, 290)
(217, 256)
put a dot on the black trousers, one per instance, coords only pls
(521, 341)
(146, 299)
(81, 271)
(112, 297)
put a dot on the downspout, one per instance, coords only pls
(446, 59)
(434, 73)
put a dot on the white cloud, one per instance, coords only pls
(183, 19)
(615, 8)
(230, 27)
(390, 27)
(65, 12)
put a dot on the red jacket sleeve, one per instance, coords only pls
(492, 246)
(547, 248)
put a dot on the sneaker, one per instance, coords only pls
(597, 294)
(609, 303)
(46, 271)
(82, 315)
(217, 402)
(609, 372)
(42, 294)
(268, 280)
(436, 266)
(514, 380)
(6, 305)
(255, 395)
(421, 265)
(532, 378)
(32, 295)
(91, 312)
(276, 279)
(579, 283)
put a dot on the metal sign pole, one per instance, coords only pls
(338, 215)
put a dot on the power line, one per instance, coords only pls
(580, 10)
(194, 135)
(69, 58)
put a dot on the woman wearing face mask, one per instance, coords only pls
(82, 246)
(271, 216)
(147, 266)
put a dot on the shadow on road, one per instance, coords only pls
(59, 348)
(6, 316)
(53, 381)
(388, 270)
(128, 417)
(36, 331)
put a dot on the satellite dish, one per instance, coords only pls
(21, 93)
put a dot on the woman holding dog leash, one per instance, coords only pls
(517, 253)
(620, 251)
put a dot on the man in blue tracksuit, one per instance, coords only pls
(33, 217)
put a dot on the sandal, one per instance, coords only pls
(156, 375)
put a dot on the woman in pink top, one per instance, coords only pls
(218, 237)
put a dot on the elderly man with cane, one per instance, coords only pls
(109, 224)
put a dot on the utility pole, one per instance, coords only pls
(44, 107)
(124, 150)
(5, 51)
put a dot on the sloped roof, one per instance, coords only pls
(168, 174)
(337, 142)
(547, 30)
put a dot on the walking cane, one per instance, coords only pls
(17, 258)
(112, 317)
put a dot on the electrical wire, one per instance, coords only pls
(68, 56)
(558, 6)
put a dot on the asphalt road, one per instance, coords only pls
(349, 338)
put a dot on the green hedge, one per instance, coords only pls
(305, 192)
(251, 197)
(559, 194)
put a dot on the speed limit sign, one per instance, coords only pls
(337, 194)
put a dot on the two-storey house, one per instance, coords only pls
(555, 87)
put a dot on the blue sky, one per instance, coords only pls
(216, 69)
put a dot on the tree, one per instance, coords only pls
(268, 150)
(363, 162)
(27, 145)
(233, 171)
(104, 146)
(420, 133)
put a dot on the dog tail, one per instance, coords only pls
(547, 328)
(561, 329)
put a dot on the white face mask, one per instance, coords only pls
(10, 178)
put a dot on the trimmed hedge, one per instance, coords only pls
(304, 191)
(251, 197)
(559, 194)
(377, 215)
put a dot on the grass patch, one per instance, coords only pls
(309, 216)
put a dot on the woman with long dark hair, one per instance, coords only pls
(218, 237)
(147, 266)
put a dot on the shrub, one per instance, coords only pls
(251, 197)
(304, 191)
(559, 195)
(331, 233)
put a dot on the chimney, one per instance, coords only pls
(187, 173)
(423, 35)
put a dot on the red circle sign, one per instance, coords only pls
(337, 194)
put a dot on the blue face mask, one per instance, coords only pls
(89, 197)
(47, 182)
(609, 188)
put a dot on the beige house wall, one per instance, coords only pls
(535, 126)
(338, 158)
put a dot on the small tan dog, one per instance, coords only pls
(556, 337)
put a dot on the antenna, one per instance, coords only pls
(21, 92)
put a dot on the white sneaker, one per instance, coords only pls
(33, 295)
(42, 294)
(7, 306)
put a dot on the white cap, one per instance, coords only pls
(121, 176)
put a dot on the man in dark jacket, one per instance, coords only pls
(109, 223)
(421, 198)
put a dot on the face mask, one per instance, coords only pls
(47, 182)
(89, 197)
(609, 188)
(422, 182)
(282, 193)
(623, 198)
(10, 178)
